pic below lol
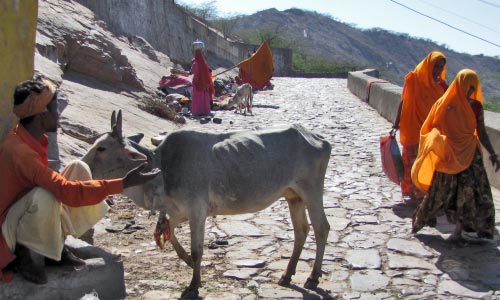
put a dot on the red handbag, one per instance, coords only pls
(392, 163)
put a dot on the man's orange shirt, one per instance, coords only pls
(24, 166)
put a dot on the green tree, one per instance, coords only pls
(492, 104)
(275, 35)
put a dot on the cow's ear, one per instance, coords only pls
(136, 138)
(133, 154)
(137, 156)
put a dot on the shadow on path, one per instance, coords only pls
(308, 295)
(266, 106)
(474, 263)
(403, 211)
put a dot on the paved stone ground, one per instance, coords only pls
(371, 253)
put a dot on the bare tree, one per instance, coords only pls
(273, 34)
(226, 24)
(206, 10)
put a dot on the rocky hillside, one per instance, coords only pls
(391, 53)
(97, 72)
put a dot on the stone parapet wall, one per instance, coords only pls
(300, 74)
(385, 98)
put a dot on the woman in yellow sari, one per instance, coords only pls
(422, 87)
(449, 164)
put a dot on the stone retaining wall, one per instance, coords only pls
(385, 98)
(171, 29)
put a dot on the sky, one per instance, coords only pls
(479, 19)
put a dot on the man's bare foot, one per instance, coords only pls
(67, 259)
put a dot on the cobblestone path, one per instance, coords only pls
(371, 253)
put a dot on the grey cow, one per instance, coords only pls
(206, 174)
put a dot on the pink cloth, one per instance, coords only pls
(175, 81)
(200, 98)
(200, 103)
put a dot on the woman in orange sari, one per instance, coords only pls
(450, 165)
(422, 87)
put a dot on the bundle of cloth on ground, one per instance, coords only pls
(175, 83)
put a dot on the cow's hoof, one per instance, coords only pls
(190, 293)
(284, 281)
(311, 284)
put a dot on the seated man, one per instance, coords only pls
(38, 206)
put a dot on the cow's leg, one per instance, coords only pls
(197, 227)
(175, 243)
(321, 229)
(250, 104)
(300, 230)
(180, 250)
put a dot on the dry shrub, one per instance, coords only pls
(159, 107)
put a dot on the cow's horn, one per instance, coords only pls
(113, 119)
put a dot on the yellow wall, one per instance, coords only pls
(17, 47)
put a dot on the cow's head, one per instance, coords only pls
(112, 155)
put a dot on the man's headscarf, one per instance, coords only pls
(420, 91)
(448, 138)
(35, 103)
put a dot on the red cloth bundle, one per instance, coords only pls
(392, 164)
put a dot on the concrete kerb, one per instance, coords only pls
(385, 98)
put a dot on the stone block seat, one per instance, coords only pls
(102, 276)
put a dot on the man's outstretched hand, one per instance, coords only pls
(135, 177)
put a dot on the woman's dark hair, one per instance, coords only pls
(22, 92)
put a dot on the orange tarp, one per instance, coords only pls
(258, 68)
